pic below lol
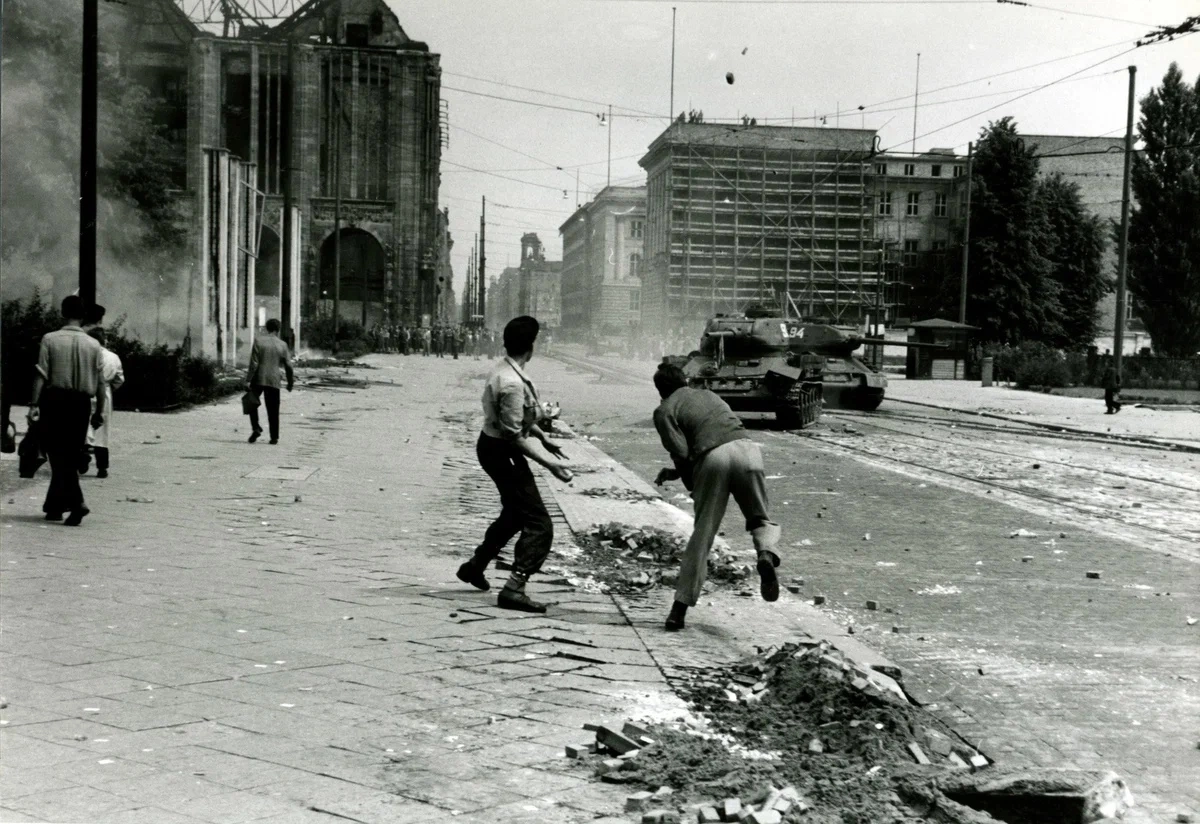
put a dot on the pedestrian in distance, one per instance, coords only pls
(112, 378)
(70, 373)
(510, 439)
(269, 355)
(714, 457)
(1112, 388)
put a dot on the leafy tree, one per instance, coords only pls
(1014, 295)
(1164, 227)
(1077, 258)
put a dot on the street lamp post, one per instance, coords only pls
(88, 123)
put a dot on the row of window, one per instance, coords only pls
(910, 170)
(912, 206)
(913, 247)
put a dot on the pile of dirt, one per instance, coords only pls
(629, 559)
(802, 716)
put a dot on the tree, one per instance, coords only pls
(1014, 294)
(1077, 259)
(1164, 226)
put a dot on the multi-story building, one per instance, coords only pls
(336, 110)
(602, 262)
(737, 214)
(533, 288)
(920, 202)
(1097, 165)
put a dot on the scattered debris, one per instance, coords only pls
(619, 493)
(1093, 573)
(940, 589)
(1022, 533)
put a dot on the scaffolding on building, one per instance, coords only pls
(765, 213)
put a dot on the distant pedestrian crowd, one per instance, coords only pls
(439, 340)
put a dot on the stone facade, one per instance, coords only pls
(602, 262)
(339, 80)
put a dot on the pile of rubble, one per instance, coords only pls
(619, 493)
(633, 559)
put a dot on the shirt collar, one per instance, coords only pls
(517, 367)
(72, 327)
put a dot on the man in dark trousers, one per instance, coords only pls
(1112, 387)
(70, 373)
(714, 457)
(510, 414)
(266, 358)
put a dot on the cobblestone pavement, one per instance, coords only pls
(274, 633)
(1035, 661)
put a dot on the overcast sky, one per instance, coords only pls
(788, 58)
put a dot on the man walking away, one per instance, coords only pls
(510, 413)
(1112, 388)
(113, 376)
(69, 374)
(714, 457)
(266, 358)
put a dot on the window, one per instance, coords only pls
(914, 204)
(958, 171)
(935, 170)
(880, 168)
(635, 265)
(939, 246)
(885, 203)
(910, 169)
(939, 205)
(636, 228)
(635, 301)
(911, 247)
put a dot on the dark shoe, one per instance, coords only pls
(102, 473)
(54, 516)
(76, 517)
(675, 619)
(519, 601)
(470, 574)
(273, 441)
(254, 435)
(768, 584)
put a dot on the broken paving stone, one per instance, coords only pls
(795, 589)
(708, 815)
(610, 765)
(576, 750)
(660, 817)
(1093, 573)
(637, 802)
(615, 741)
(978, 762)
(918, 754)
(900, 629)
(957, 762)
(730, 809)
(818, 600)
(1026, 559)
(816, 747)
(1022, 533)
(765, 817)
(872, 605)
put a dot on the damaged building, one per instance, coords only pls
(333, 111)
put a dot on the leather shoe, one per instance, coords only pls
(254, 435)
(468, 573)
(54, 516)
(768, 584)
(519, 601)
(675, 619)
(76, 516)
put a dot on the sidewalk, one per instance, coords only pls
(254, 633)
(1178, 426)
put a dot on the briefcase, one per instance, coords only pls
(250, 402)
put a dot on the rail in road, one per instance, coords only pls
(1139, 489)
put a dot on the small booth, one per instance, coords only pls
(941, 352)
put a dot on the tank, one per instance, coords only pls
(847, 382)
(750, 363)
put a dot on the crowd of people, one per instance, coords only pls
(439, 340)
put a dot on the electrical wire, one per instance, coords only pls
(549, 93)
(503, 177)
(1058, 10)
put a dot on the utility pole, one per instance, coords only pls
(670, 119)
(916, 98)
(88, 123)
(286, 297)
(962, 289)
(1123, 251)
(482, 258)
(337, 200)
(608, 180)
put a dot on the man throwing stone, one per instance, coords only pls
(714, 457)
(510, 414)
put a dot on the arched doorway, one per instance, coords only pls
(363, 277)
(268, 297)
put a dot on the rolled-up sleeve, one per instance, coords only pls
(43, 361)
(510, 409)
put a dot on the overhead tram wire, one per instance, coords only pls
(549, 93)
(1059, 10)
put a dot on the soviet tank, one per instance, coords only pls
(847, 382)
(749, 363)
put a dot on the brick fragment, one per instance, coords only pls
(615, 741)
(708, 815)
(1093, 573)
(591, 727)
(609, 765)
(634, 731)
(663, 792)
(628, 756)
(900, 629)
(956, 761)
(1026, 559)
(636, 803)
(917, 753)
(978, 762)
(615, 778)
(730, 809)
(795, 589)
(815, 746)
(766, 817)
(818, 600)
(860, 684)
(660, 817)
(872, 605)
(577, 750)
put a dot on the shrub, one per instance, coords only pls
(22, 325)
(1036, 364)
(350, 336)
